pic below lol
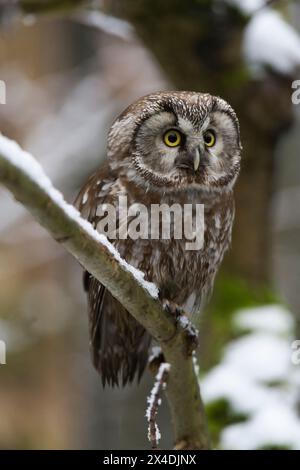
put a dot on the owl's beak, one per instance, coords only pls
(189, 160)
(196, 159)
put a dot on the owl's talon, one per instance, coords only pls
(182, 319)
(173, 308)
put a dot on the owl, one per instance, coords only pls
(166, 148)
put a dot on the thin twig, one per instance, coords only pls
(154, 400)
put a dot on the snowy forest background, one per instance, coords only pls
(67, 76)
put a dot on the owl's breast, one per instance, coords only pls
(183, 271)
(183, 275)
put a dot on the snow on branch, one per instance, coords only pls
(154, 401)
(25, 178)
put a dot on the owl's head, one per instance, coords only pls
(177, 140)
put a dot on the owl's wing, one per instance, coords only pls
(119, 344)
(94, 192)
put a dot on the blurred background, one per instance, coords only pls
(69, 69)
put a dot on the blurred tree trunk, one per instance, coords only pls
(198, 45)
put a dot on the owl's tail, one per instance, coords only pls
(119, 344)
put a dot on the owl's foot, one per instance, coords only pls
(172, 308)
(190, 332)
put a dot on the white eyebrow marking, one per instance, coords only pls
(185, 125)
(205, 124)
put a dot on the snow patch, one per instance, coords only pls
(195, 364)
(275, 424)
(270, 318)
(260, 356)
(270, 40)
(243, 379)
(247, 6)
(155, 353)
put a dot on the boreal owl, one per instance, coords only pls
(167, 147)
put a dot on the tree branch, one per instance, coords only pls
(24, 177)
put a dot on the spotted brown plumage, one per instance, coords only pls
(143, 168)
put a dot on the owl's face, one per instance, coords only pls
(177, 140)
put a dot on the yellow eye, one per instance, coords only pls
(172, 138)
(209, 138)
